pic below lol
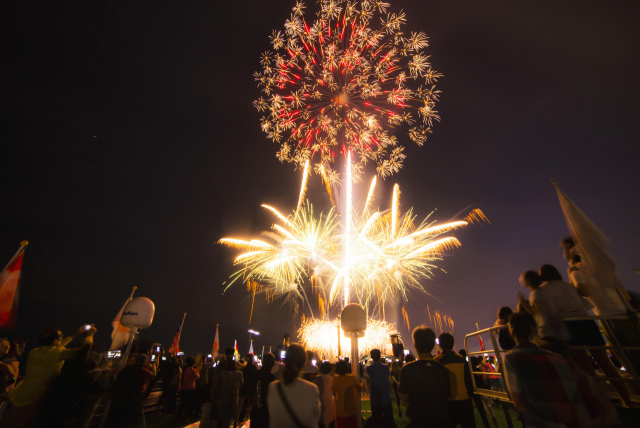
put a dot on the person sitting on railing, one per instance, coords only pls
(585, 334)
(504, 337)
(608, 301)
(541, 384)
(542, 306)
(598, 405)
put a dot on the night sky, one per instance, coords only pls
(130, 146)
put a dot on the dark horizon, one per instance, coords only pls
(132, 146)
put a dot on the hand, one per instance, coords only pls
(520, 296)
(92, 330)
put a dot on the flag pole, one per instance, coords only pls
(116, 335)
(180, 335)
(23, 245)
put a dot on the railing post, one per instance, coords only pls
(622, 355)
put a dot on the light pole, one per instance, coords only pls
(354, 323)
(252, 332)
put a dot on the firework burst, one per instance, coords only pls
(342, 82)
(321, 336)
(378, 257)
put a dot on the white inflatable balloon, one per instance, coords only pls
(138, 313)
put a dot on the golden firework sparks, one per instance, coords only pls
(369, 258)
(321, 336)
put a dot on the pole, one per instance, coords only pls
(338, 344)
(23, 244)
(355, 370)
(123, 362)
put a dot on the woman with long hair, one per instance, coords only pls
(293, 402)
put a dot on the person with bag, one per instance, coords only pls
(293, 402)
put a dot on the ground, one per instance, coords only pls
(170, 421)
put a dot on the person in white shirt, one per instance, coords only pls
(293, 402)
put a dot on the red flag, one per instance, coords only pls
(9, 292)
(175, 345)
(215, 352)
(482, 348)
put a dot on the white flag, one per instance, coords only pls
(120, 335)
(215, 352)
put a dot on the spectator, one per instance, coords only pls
(7, 373)
(542, 306)
(248, 388)
(344, 389)
(424, 384)
(381, 407)
(584, 333)
(459, 404)
(409, 358)
(202, 386)
(310, 370)
(598, 404)
(11, 358)
(43, 366)
(171, 376)
(328, 408)
(482, 402)
(66, 391)
(190, 375)
(541, 384)
(521, 309)
(260, 408)
(293, 402)
(608, 301)
(278, 367)
(128, 390)
(504, 338)
(226, 389)
(395, 378)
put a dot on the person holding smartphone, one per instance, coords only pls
(43, 366)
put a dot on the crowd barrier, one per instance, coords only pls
(607, 329)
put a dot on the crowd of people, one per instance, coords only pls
(548, 364)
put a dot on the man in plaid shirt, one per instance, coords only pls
(541, 384)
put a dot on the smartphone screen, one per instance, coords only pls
(87, 327)
(153, 357)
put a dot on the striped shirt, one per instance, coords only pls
(566, 296)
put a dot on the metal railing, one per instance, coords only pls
(613, 344)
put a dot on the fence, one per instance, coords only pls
(614, 345)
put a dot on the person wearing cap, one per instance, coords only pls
(43, 366)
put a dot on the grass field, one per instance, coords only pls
(170, 421)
